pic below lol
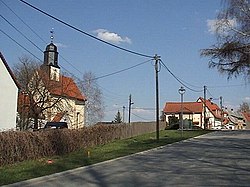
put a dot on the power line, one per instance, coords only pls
(65, 69)
(210, 93)
(103, 76)
(140, 117)
(178, 79)
(85, 33)
(23, 22)
(36, 46)
(75, 77)
(62, 56)
(20, 45)
(116, 72)
(21, 33)
(224, 86)
(145, 108)
(35, 34)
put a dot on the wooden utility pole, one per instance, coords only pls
(156, 58)
(221, 111)
(123, 114)
(129, 108)
(204, 112)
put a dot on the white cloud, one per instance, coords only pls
(247, 98)
(111, 36)
(220, 26)
(61, 45)
(142, 111)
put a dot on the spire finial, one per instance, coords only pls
(52, 35)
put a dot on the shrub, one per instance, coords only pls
(17, 146)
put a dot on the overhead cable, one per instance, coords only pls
(20, 45)
(21, 34)
(23, 21)
(140, 117)
(85, 33)
(116, 72)
(164, 65)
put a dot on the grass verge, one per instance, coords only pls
(36, 168)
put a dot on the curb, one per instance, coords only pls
(68, 172)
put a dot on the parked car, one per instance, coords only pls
(56, 125)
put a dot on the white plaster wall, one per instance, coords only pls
(72, 109)
(8, 99)
(195, 117)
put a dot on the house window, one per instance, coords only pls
(77, 119)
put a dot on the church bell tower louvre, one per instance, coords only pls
(50, 63)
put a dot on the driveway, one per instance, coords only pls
(216, 159)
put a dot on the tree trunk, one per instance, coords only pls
(35, 122)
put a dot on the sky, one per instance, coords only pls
(176, 30)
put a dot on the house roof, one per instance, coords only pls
(65, 87)
(68, 88)
(58, 117)
(188, 107)
(9, 70)
(247, 116)
(214, 108)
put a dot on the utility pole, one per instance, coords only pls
(123, 114)
(129, 108)
(221, 111)
(156, 58)
(204, 114)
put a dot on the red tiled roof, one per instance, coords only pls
(58, 117)
(246, 115)
(67, 87)
(214, 109)
(188, 107)
(9, 70)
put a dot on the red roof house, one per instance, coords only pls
(188, 107)
(246, 116)
(195, 111)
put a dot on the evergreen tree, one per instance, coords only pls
(118, 118)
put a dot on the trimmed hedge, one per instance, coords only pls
(17, 146)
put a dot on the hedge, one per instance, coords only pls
(17, 146)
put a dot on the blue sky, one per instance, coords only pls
(174, 29)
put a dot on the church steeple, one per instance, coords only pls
(51, 59)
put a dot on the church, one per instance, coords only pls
(70, 107)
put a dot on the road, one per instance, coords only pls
(216, 159)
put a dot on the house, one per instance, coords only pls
(214, 114)
(8, 100)
(55, 97)
(235, 120)
(193, 112)
(246, 116)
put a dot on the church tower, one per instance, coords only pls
(50, 63)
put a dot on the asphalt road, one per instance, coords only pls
(215, 159)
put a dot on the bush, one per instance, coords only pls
(16, 146)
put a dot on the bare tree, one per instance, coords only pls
(244, 107)
(35, 98)
(231, 53)
(94, 105)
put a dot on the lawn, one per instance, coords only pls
(45, 166)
